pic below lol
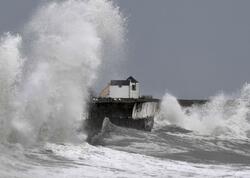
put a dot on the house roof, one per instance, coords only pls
(132, 79)
(119, 82)
(123, 82)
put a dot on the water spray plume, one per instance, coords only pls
(222, 116)
(63, 45)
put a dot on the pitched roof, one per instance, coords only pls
(132, 79)
(119, 82)
(123, 82)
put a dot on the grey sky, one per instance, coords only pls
(14, 13)
(191, 48)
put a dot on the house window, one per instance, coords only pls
(133, 87)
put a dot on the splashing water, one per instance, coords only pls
(170, 112)
(221, 116)
(10, 62)
(46, 72)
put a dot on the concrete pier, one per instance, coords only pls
(120, 112)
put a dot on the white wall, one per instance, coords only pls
(134, 93)
(119, 92)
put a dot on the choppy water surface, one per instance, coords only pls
(130, 153)
(45, 74)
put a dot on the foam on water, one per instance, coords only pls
(221, 116)
(44, 96)
(88, 161)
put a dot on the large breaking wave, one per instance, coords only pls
(46, 71)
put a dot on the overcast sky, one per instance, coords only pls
(191, 48)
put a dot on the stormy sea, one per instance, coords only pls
(46, 71)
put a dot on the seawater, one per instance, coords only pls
(45, 74)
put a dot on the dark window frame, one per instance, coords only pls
(134, 87)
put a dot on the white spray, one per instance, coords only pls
(10, 70)
(63, 44)
(221, 116)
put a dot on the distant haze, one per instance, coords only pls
(192, 49)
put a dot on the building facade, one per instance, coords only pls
(128, 88)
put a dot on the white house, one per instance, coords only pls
(128, 88)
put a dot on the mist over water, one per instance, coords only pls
(222, 115)
(47, 70)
